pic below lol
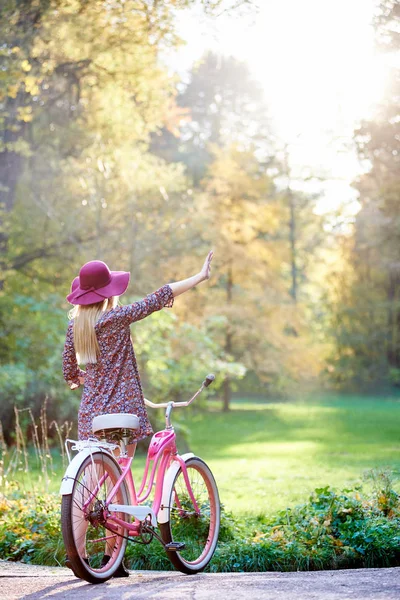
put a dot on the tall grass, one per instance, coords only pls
(20, 459)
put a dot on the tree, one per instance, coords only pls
(221, 105)
(80, 81)
(259, 326)
(368, 347)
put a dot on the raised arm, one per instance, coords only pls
(162, 297)
(180, 287)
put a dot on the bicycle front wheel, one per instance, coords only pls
(93, 550)
(197, 529)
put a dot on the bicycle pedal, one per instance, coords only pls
(175, 546)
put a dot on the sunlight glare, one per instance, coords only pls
(319, 68)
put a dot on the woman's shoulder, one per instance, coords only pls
(70, 332)
(114, 315)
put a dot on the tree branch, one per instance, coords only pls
(45, 252)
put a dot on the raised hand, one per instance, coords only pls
(206, 269)
(180, 287)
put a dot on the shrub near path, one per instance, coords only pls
(332, 530)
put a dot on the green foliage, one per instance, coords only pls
(31, 348)
(14, 380)
(176, 356)
(332, 530)
(28, 522)
(221, 105)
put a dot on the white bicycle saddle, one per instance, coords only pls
(115, 421)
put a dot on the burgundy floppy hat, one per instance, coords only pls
(96, 282)
(74, 284)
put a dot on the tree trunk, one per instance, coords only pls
(227, 394)
(293, 249)
(11, 165)
(290, 197)
(396, 325)
(390, 352)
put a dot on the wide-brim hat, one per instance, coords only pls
(96, 283)
(74, 284)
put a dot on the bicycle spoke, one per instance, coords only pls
(86, 514)
(196, 528)
(187, 525)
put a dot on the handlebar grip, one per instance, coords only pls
(209, 379)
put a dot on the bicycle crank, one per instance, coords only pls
(171, 546)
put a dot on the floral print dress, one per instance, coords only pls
(112, 385)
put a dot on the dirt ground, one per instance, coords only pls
(28, 582)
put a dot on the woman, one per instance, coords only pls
(98, 336)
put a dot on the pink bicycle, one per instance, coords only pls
(101, 509)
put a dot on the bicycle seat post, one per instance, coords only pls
(168, 411)
(123, 443)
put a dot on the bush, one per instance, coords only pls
(332, 530)
(30, 527)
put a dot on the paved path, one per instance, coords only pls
(27, 582)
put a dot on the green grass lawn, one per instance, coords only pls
(268, 456)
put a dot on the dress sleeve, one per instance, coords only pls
(71, 370)
(143, 308)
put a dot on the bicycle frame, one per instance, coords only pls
(162, 452)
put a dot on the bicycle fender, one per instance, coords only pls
(163, 513)
(70, 474)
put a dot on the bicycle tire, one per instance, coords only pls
(86, 548)
(199, 533)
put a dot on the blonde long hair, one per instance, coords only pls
(85, 318)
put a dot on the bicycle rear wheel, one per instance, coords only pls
(197, 530)
(83, 518)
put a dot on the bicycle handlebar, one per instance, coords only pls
(208, 380)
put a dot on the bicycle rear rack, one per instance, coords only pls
(78, 445)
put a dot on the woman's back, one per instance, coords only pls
(112, 384)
